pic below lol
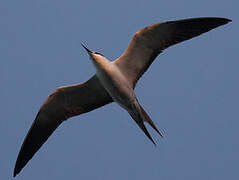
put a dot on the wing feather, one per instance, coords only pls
(150, 41)
(65, 102)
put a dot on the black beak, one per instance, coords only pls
(89, 51)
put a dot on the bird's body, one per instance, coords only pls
(118, 87)
(114, 81)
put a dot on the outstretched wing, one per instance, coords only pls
(65, 102)
(152, 40)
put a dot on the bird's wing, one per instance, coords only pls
(147, 43)
(65, 102)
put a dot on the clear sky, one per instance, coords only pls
(190, 91)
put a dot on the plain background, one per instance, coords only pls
(190, 91)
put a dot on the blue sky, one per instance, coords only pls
(190, 91)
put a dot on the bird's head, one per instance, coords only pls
(98, 59)
(91, 53)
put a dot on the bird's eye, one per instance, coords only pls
(99, 53)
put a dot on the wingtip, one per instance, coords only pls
(15, 173)
(222, 21)
(16, 170)
(226, 20)
(216, 21)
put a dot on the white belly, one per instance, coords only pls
(115, 84)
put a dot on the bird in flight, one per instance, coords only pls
(114, 81)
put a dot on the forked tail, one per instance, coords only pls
(140, 116)
(149, 120)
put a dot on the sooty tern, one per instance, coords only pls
(113, 82)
